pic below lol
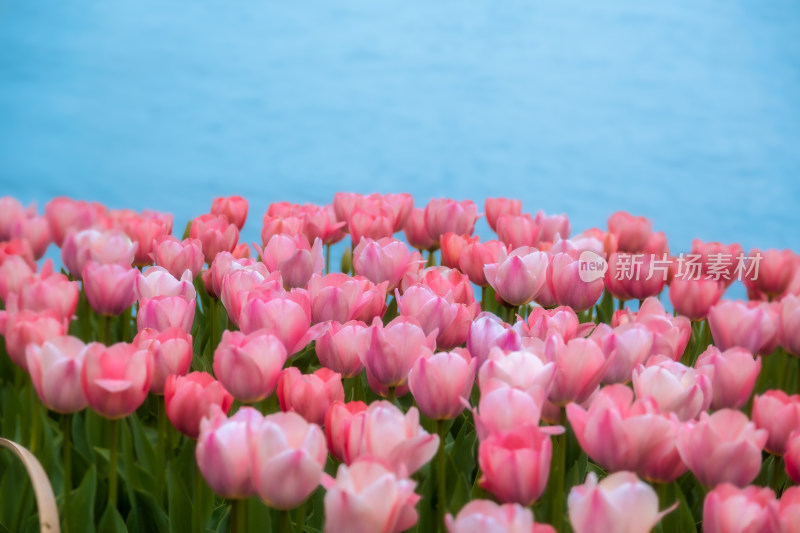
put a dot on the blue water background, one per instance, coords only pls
(685, 111)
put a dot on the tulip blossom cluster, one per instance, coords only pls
(439, 381)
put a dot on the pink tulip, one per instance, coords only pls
(310, 395)
(562, 320)
(476, 255)
(11, 211)
(789, 324)
(580, 365)
(622, 434)
(144, 230)
(188, 399)
(734, 323)
(480, 516)
(384, 432)
(400, 205)
(515, 464)
(171, 350)
(342, 298)
(55, 369)
(24, 328)
(444, 215)
(372, 225)
(115, 379)
(505, 408)
(366, 497)
(733, 375)
(384, 260)
(670, 333)
(433, 312)
(285, 315)
(224, 452)
(791, 457)
(724, 447)
(774, 273)
(109, 288)
(629, 345)
(392, 350)
(223, 263)
(338, 419)
(293, 257)
(417, 232)
(103, 247)
(631, 232)
(717, 260)
(789, 510)
(486, 332)
(340, 346)
(675, 387)
(48, 290)
(620, 502)
(65, 214)
(497, 207)
(523, 370)
(694, 298)
(552, 227)
(157, 281)
(779, 414)
(439, 381)
(287, 448)
(729, 509)
(239, 281)
(453, 246)
(36, 231)
(289, 225)
(14, 275)
(520, 277)
(635, 276)
(567, 286)
(249, 365)
(215, 234)
(17, 248)
(233, 208)
(163, 312)
(319, 222)
(517, 231)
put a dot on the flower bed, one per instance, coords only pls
(438, 383)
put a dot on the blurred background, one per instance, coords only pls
(687, 112)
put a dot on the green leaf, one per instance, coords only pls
(111, 521)
(81, 510)
(180, 506)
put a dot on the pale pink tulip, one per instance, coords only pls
(416, 231)
(488, 331)
(517, 231)
(444, 215)
(792, 456)
(520, 277)
(163, 312)
(15, 273)
(215, 233)
(734, 323)
(774, 273)
(733, 375)
(789, 324)
(779, 414)
(497, 207)
(521, 369)
(338, 419)
(439, 381)
(580, 365)
(481, 516)
(36, 231)
(287, 448)
(694, 298)
(55, 369)
(109, 288)
(631, 232)
(567, 286)
(789, 510)
(233, 208)
(730, 509)
(552, 227)
(675, 387)
(47, 290)
(476, 255)
(384, 260)
(11, 211)
(367, 497)
(285, 315)
(24, 328)
(342, 298)
(293, 257)
(620, 502)
(171, 350)
(724, 447)
(224, 452)
(157, 281)
(339, 348)
(65, 214)
(505, 408)
(372, 225)
(249, 365)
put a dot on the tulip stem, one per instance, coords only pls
(36, 423)
(161, 452)
(106, 321)
(431, 259)
(284, 522)
(112, 465)
(390, 396)
(441, 479)
(197, 510)
(67, 460)
(620, 304)
(239, 516)
(212, 312)
(557, 473)
(327, 258)
(358, 388)
(301, 518)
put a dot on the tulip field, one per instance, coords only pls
(182, 380)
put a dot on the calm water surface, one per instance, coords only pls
(685, 111)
